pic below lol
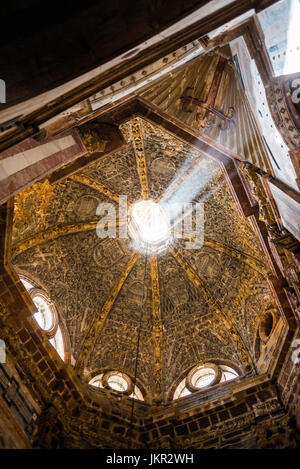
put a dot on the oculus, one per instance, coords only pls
(149, 227)
(46, 316)
(204, 376)
(117, 381)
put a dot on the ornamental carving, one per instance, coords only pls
(198, 305)
(259, 193)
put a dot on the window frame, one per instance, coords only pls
(189, 383)
(57, 320)
(103, 377)
(188, 374)
(37, 292)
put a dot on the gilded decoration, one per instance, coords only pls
(198, 305)
(93, 142)
(207, 95)
(223, 295)
(26, 202)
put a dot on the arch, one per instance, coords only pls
(117, 381)
(48, 318)
(267, 324)
(203, 376)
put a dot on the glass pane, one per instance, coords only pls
(44, 316)
(58, 343)
(137, 394)
(203, 377)
(228, 373)
(97, 381)
(280, 25)
(27, 285)
(185, 392)
(181, 390)
(117, 382)
(228, 376)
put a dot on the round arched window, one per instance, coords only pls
(204, 376)
(228, 373)
(58, 343)
(117, 381)
(46, 316)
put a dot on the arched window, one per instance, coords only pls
(228, 373)
(181, 390)
(46, 316)
(97, 381)
(119, 382)
(58, 343)
(204, 376)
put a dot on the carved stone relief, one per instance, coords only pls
(81, 271)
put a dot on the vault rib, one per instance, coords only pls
(251, 261)
(234, 334)
(97, 185)
(174, 186)
(156, 333)
(100, 319)
(194, 277)
(57, 232)
(138, 144)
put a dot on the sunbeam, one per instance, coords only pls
(153, 226)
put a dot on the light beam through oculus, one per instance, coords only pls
(149, 227)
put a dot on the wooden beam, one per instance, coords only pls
(29, 124)
(96, 185)
(247, 259)
(195, 279)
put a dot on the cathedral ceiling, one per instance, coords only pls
(199, 304)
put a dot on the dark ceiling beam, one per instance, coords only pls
(29, 124)
(53, 42)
